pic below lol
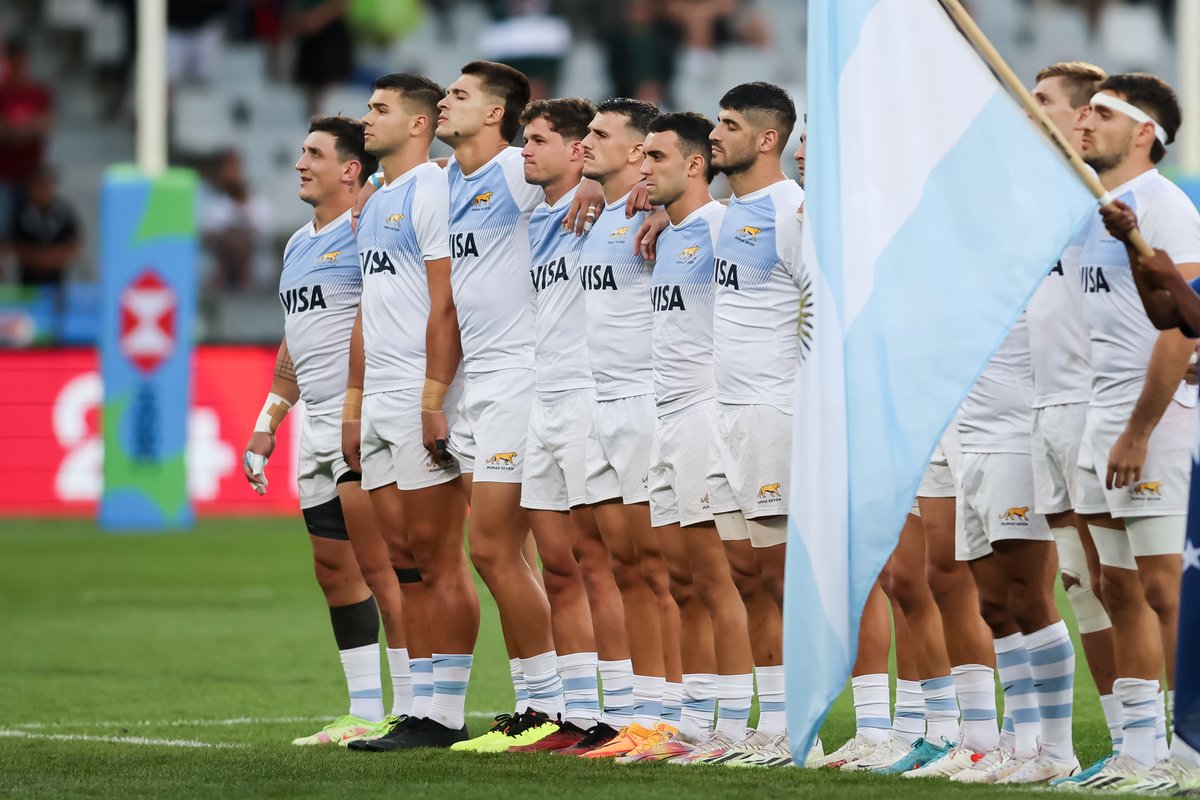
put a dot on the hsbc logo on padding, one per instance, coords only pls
(148, 307)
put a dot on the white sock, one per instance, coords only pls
(1138, 699)
(1161, 749)
(772, 715)
(648, 699)
(451, 674)
(617, 677)
(361, 665)
(941, 710)
(672, 703)
(908, 723)
(975, 687)
(402, 684)
(734, 693)
(422, 686)
(1182, 751)
(1110, 704)
(1052, 662)
(545, 687)
(520, 688)
(872, 717)
(581, 690)
(700, 691)
(1020, 699)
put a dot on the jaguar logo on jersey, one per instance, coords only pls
(689, 253)
(770, 491)
(747, 234)
(1018, 515)
(481, 201)
(1147, 488)
(392, 221)
(302, 298)
(329, 258)
(505, 461)
(620, 233)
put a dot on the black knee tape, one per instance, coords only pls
(327, 520)
(408, 575)
(349, 477)
(355, 625)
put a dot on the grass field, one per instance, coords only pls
(182, 666)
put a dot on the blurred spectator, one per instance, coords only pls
(641, 45)
(46, 232)
(26, 118)
(234, 224)
(526, 36)
(195, 35)
(324, 48)
(708, 25)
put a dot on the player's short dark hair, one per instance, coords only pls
(638, 113)
(1153, 95)
(1079, 80)
(416, 89)
(567, 116)
(347, 134)
(504, 83)
(692, 130)
(764, 98)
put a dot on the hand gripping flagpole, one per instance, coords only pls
(1015, 87)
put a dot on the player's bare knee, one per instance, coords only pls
(1162, 594)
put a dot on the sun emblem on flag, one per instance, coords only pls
(807, 309)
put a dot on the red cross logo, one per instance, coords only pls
(148, 321)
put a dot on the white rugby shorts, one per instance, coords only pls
(618, 451)
(995, 503)
(679, 466)
(749, 460)
(392, 449)
(488, 438)
(1057, 434)
(320, 462)
(555, 477)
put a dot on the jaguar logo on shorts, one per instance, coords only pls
(432, 465)
(1018, 515)
(771, 492)
(1147, 489)
(505, 461)
(704, 501)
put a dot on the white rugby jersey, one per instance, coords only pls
(1121, 334)
(319, 289)
(560, 348)
(757, 273)
(489, 251)
(997, 416)
(616, 286)
(402, 226)
(683, 310)
(1058, 340)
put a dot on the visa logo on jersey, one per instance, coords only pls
(546, 275)
(375, 261)
(1093, 280)
(725, 274)
(598, 277)
(463, 244)
(668, 298)
(303, 298)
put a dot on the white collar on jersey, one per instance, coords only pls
(1131, 111)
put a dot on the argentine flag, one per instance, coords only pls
(934, 208)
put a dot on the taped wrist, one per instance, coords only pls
(352, 405)
(273, 411)
(434, 395)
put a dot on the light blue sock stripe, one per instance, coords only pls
(1144, 704)
(916, 715)
(1021, 687)
(628, 692)
(453, 662)
(1026, 716)
(1007, 725)
(648, 708)
(1062, 711)
(704, 706)
(422, 690)
(933, 684)
(978, 714)
(1012, 658)
(619, 710)
(582, 704)
(360, 693)
(450, 687)
(1049, 655)
(672, 713)
(1059, 684)
(421, 665)
(1145, 722)
(579, 684)
(771, 706)
(731, 713)
(874, 722)
(941, 704)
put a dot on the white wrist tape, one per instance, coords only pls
(273, 411)
(1131, 111)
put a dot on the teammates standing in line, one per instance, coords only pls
(635, 416)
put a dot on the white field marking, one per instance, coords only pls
(197, 723)
(78, 737)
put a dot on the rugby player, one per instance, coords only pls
(617, 295)
(1135, 456)
(319, 288)
(403, 250)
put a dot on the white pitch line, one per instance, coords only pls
(78, 737)
(195, 723)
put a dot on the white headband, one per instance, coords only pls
(1131, 111)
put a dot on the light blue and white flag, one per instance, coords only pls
(934, 208)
